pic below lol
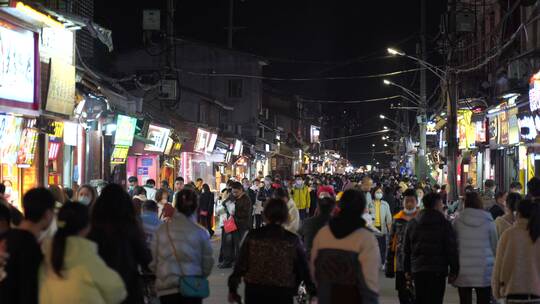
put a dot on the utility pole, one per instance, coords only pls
(451, 95)
(230, 28)
(171, 60)
(421, 119)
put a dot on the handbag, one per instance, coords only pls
(229, 225)
(191, 286)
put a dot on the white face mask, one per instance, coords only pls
(378, 195)
(85, 200)
(409, 211)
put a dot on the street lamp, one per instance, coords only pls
(435, 70)
(389, 119)
(415, 96)
(385, 127)
(385, 145)
(392, 51)
(373, 145)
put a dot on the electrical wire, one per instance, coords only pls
(501, 48)
(232, 75)
(350, 101)
(376, 133)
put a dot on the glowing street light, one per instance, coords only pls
(385, 145)
(392, 51)
(385, 127)
(382, 116)
(387, 82)
(373, 145)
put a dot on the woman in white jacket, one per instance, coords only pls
(293, 224)
(180, 248)
(477, 241)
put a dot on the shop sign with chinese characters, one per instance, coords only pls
(18, 76)
(534, 92)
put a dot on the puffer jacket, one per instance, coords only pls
(394, 254)
(430, 244)
(193, 248)
(301, 197)
(477, 243)
(87, 279)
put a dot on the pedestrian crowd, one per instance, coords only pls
(323, 237)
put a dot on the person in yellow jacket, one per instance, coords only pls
(72, 271)
(300, 195)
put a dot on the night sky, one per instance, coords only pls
(305, 38)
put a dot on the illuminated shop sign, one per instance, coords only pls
(119, 155)
(125, 130)
(27, 150)
(315, 133)
(159, 136)
(534, 92)
(201, 140)
(10, 133)
(237, 150)
(18, 77)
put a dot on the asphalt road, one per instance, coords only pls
(218, 286)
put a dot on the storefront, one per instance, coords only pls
(145, 156)
(504, 143)
(19, 101)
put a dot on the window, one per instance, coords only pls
(203, 111)
(235, 88)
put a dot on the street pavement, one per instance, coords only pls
(219, 291)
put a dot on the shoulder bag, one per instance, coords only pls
(229, 225)
(190, 286)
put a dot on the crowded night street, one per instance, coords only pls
(269, 152)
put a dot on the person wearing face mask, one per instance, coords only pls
(25, 256)
(382, 219)
(267, 191)
(133, 183)
(86, 195)
(301, 197)
(394, 257)
(430, 252)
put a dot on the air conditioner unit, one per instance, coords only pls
(167, 89)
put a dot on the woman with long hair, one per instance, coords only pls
(117, 230)
(516, 275)
(86, 195)
(345, 257)
(509, 218)
(477, 240)
(162, 199)
(181, 250)
(72, 271)
(206, 208)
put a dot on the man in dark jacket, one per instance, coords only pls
(394, 256)
(242, 209)
(312, 225)
(430, 251)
